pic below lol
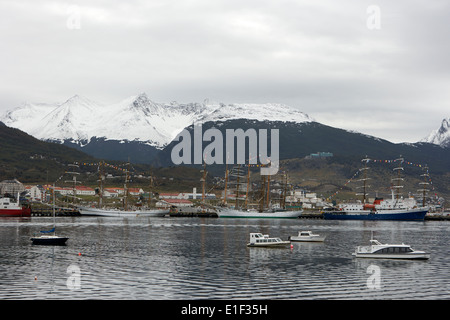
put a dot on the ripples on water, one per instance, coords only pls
(194, 258)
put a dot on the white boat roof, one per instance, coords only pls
(378, 243)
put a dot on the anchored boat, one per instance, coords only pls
(307, 236)
(46, 238)
(389, 251)
(260, 240)
(49, 239)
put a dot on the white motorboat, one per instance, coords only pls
(260, 240)
(389, 251)
(307, 236)
(122, 213)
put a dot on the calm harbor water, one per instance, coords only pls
(201, 258)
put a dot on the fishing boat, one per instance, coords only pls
(49, 237)
(395, 208)
(9, 208)
(377, 250)
(307, 236)
(260, 240)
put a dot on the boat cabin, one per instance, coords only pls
(260, 238)
(6, 203)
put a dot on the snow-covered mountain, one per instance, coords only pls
(440, 136)
(136, 118)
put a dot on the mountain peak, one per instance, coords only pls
(136, 118)
(78, 100)
(141, 100)
(440, 136)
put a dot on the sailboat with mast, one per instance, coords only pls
(49, 237)
(124, 212)
(241, 209)
(395, 208)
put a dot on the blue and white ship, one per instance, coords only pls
(379, 210)
(395, 208)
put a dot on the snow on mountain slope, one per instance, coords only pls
(136, 118)
(440, 136)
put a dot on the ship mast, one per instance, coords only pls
(239, 174)
(424, 185)
(364, 179)
(151, 190)
(262, 194)
(226, 184)
(397, 186)
(100, 184)
(125, 186)
(248, 186)
(74, 180)
(283, 199)
(268, 192)
(203, 181)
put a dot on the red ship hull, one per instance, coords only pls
(23, 212)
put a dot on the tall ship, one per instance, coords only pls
(9, 208)
(395, 208)
(125, 211)
(242, 209)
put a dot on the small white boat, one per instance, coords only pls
(389, 251)
(307, 236)
(260, 240)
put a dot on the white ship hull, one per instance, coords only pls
(307, 239)
(378, 250)
(232, 213)
(121, 213)
(409, 256)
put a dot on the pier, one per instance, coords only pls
(444, 216)
(311, 214)
(60, 212)
(192, 212)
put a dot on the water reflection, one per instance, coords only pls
(194, 258)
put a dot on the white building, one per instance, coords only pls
(37, 193)
(12, 187)
(309, 200)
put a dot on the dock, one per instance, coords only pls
(311, 214)
(60, 212)
(444, 216)
(193, 212)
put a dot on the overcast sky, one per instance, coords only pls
(377, 67)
